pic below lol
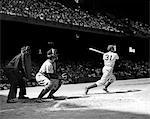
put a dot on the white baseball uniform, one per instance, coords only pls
(47, 67)
(109, 62)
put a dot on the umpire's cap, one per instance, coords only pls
(110, 48)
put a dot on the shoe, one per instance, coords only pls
(51, 97)
(12, 101)
(23, 97)
(105, 89)
(38, 100)
(86, 91)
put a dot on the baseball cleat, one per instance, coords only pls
(12, 100)
(51, 97)
(105, 89)
(38, 100)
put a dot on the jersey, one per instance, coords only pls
(110, 58)
(14, 62)
(47, 67)
(22, 62)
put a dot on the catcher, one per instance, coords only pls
(108, 77)
(48, 76)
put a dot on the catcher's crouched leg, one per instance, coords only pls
(46, 89)
(56, 85)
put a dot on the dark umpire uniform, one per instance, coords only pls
(18, 68)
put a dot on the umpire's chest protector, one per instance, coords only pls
(27, 66)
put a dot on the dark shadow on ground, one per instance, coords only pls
(127, 91)
(34, 111)
(95, 114)
(3, 99)
(56, 98)
(68, 97)
(67, 105)
(76, 97)
(24, 103)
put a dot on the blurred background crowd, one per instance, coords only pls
(81, 72)
(55, 11)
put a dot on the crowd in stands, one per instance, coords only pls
(54, 11)
(89, 71)
(136, 27)
(141, 27)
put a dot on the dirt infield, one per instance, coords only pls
(128, 99)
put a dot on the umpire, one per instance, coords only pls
(17, 70)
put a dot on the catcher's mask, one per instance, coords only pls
(52, 54)
(25, 49)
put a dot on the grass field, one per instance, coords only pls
(128, 99)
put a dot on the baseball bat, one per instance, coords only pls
(95, 50)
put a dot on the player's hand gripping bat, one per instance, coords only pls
(95, 50)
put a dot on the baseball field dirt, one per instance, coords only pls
(127, 99)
